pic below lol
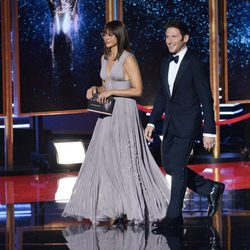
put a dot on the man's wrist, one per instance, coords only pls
(209, 135)
(151, 125)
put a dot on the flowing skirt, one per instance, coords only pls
(119, 175)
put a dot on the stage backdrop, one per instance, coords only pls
(238, 26)
(1, 70)
(58, 54)
(145, 21)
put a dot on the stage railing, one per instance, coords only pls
(223, 122)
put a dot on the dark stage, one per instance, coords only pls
(31, 207)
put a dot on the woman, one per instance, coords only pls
(119, 175)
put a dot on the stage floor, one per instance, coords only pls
(31, 207)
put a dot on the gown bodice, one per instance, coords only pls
(116, 78)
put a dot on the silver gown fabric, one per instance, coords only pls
(119, 175)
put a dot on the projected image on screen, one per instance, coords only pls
(238, 20)
(145, 21)
(60, 49)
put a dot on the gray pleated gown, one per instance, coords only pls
(119, 175)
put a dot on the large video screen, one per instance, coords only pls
(59, 54)
(238, 27)
(145, 21)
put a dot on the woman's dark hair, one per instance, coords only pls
(178, 24)
(118, 29)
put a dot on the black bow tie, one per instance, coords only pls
(173, 58)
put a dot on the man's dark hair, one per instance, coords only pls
(178, 24)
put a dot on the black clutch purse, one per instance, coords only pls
(102, 108)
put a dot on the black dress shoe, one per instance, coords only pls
(174, 237)
(169, 222)
(214, 197)
(175, 232)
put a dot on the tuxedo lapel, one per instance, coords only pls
(182, 68)
(165, 74)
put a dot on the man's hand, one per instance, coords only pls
(148, 132)
(208, 142)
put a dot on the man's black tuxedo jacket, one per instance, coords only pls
(183, 111)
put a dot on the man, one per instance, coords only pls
(184, 87)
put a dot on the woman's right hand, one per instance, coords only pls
(90, 92)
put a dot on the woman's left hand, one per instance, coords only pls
(102, 97)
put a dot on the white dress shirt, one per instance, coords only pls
(173, 69)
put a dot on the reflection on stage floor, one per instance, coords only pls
(31, 207)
